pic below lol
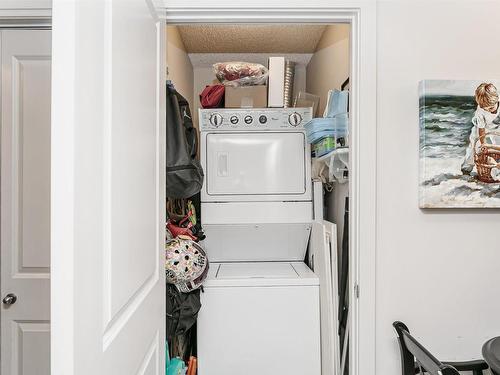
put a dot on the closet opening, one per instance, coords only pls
(269, 108)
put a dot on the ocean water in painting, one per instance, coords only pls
(445, 127)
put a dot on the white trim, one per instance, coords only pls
(40, 15)
(63, 242)
(161, 161)
(259, 15)
(362, 16)
(362, 233)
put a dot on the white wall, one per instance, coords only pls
(203, 76)
(329, 65)
(438, 271)
(180, 70)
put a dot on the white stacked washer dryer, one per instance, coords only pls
(260, 306)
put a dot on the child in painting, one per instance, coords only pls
(488, 109)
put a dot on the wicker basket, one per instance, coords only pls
(481, 156)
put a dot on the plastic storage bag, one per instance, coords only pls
(319, 128)
(331, 131)
(176, 366)
(304, 100)
(337, 103)
(239, 73)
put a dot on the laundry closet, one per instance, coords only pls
(272, 215)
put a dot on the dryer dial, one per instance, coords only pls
(216, 119)
(294, 119)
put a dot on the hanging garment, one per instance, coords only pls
(184, 173)
(182, 310)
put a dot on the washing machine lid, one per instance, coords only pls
(260, 274)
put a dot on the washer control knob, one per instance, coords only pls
(216, 119)
(234, 119)
(294, 119)
(262, 119)
(248, 119)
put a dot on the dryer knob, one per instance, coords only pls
(248, 119)
(294, 119)
(216, 119)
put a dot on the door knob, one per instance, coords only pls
(9, 299)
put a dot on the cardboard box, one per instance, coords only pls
(246, 97)
(276, 82)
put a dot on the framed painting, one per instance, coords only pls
(459, 144)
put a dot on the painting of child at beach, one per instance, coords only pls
(459, 144)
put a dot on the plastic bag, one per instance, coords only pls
(238, 73)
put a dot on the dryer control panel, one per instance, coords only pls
(246, 119)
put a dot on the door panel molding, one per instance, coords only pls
(118, 310)
(150, 362)
(19, 267)
(21, 345)
(120, 319)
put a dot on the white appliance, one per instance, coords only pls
(255, 155)
(257, 167)
(259, 318)
(260, 306)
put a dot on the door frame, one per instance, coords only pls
(361, 15)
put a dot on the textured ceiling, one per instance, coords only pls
(251, 38)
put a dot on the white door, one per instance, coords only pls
(108, 177)
(323, 257)
(25, 202)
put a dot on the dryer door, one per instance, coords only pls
(256, 166)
